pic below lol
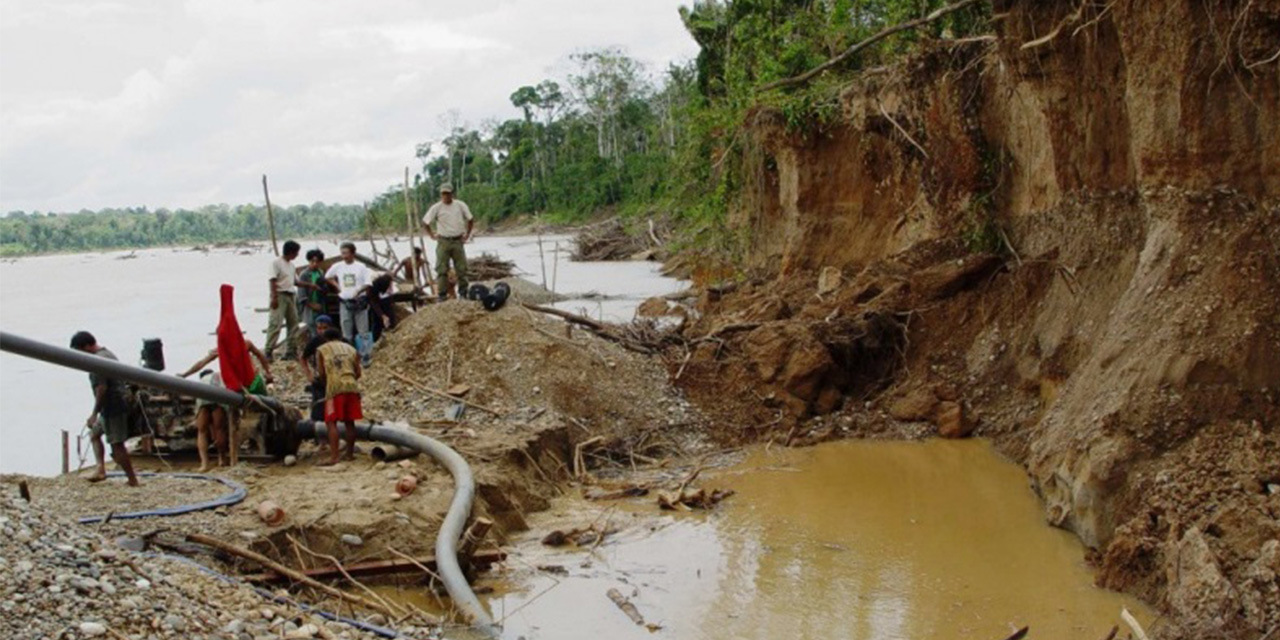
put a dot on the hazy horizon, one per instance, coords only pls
(186, 104)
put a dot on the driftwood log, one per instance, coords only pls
(296, 576)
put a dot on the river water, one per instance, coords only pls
(855, 540)
(172, 293)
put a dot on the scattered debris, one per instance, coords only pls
(270, 513)
(625, 605)
(488, 266)
(611, 240)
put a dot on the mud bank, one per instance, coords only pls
(1075, 254)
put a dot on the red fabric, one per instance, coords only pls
(233, 353)
(343, 407)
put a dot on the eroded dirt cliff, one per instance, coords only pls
(1065, 237)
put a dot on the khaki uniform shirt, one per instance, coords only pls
(450, 219)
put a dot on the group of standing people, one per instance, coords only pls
(333, 355)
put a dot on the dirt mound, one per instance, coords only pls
(515, 364)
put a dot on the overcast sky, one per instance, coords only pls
(165, 103)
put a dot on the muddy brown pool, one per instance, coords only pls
(857, 540)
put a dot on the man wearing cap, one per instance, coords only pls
(453, 227)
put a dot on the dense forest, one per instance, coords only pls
(614, 135)
(23, 233)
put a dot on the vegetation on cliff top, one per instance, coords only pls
(611, 135)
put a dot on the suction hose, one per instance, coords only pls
(455, 520)
(82, 361)
(465, 487)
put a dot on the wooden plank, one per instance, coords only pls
(381, 567)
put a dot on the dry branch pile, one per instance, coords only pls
(488, 266)
(609, 240)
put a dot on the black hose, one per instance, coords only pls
(237, 495)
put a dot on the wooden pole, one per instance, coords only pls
(271, 216)
(422, 243)
(408, 218)
(555, 270)
(368, 224)
(542, 259)
(66, 452)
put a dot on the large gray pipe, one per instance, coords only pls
(454, 520)
(465, 487)
(90, 363)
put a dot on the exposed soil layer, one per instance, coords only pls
(1076, 254)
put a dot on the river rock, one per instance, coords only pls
(1197, 586)
(951, 421)
(92, 629)
(829, 280)
(916, 404)
(791, 356)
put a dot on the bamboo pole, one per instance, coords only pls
(271, 216)
(408, 218)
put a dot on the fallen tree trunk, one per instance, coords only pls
(571, 317)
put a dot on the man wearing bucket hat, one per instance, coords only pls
(453, 226)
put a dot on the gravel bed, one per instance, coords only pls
(62, 580)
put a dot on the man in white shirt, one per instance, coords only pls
(352, 280)
(454, 225)
(284, 303)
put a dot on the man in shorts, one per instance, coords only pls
(340, 363)
(312, 370)
(230, 415)
(211, 420)
(110, 413)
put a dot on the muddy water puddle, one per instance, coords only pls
(858, 540)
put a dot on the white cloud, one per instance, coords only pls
(161, 103)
